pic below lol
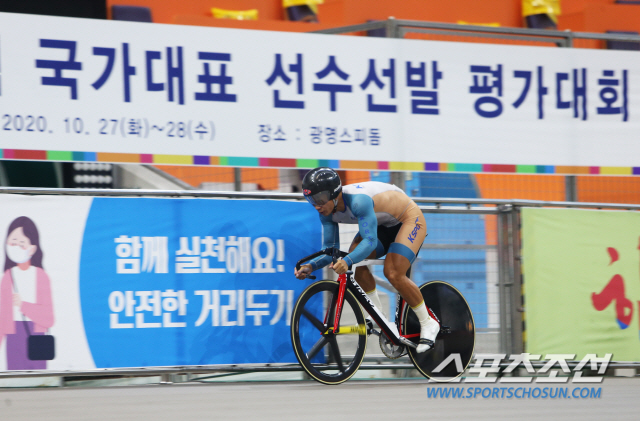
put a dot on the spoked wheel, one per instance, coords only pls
(327, 356)
(457, 332)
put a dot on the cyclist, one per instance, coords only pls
(389, 223)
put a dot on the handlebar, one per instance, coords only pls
(331, 251)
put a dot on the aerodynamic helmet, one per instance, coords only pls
(321, 185)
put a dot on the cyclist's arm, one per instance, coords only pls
(330, 238)
(362, 208)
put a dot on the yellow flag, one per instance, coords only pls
(235, 14)
(313, 4)
(539, 7)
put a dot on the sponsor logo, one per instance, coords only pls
(414, 233)
(306, 192)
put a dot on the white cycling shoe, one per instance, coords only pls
(428, 333)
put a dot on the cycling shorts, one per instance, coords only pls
(405, 238)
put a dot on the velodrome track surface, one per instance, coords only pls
(354, 400)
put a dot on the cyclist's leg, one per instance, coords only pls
(408, 238)
(362, 274)
(365, 279)
(386, 236)
(401, 255)
(395, 269)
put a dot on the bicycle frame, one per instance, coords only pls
(392, 331)
(347, 281)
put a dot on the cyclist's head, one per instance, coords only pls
(321, 185)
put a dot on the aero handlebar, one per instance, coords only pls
(333, 252)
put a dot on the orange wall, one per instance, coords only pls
(612, 189)
(263, 25)
(601, 17)
(163, 11)
(577, 15)
(266, 178)
(346, 12)
(352, 177)
(576, 6)
(521, 186)
(505, 12)
(591, 188)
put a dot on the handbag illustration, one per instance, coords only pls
(39, 347)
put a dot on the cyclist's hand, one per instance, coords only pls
(305, 270)
(339, 267)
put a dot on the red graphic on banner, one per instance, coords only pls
(614, 291)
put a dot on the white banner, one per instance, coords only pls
(91, 86)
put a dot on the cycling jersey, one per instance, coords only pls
(370, 204)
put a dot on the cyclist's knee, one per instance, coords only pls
(394, 276)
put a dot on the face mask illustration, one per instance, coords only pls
(18, 254)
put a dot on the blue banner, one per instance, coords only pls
(167, 282)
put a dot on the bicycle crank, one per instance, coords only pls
(390, 350)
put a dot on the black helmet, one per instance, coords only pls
(321, 185)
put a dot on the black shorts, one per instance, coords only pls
(386, 236)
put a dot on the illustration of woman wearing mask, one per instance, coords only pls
(25, 294)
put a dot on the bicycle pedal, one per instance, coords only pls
(370, 329)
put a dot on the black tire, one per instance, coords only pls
(453, 311)
(327, 357)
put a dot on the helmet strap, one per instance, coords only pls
(335, 205)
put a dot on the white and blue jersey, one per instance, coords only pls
(368, 204)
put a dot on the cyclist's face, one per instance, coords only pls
(322, 202)
(326, 209)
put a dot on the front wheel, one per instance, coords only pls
(328, 356)
(455, 342)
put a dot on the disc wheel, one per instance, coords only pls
(327, 356)
(456, 339)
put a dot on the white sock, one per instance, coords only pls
(373, 296)
(429, 327)
(422, 313)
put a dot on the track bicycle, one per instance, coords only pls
(329, 331)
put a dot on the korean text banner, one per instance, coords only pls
(133, 282)
(75, 89)
(582, 282)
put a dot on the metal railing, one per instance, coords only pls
(426, 203)
(507, 248)
(399, 28)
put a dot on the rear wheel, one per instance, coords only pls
(456, 340)
(327, 356)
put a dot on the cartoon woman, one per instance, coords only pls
(25, 294)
